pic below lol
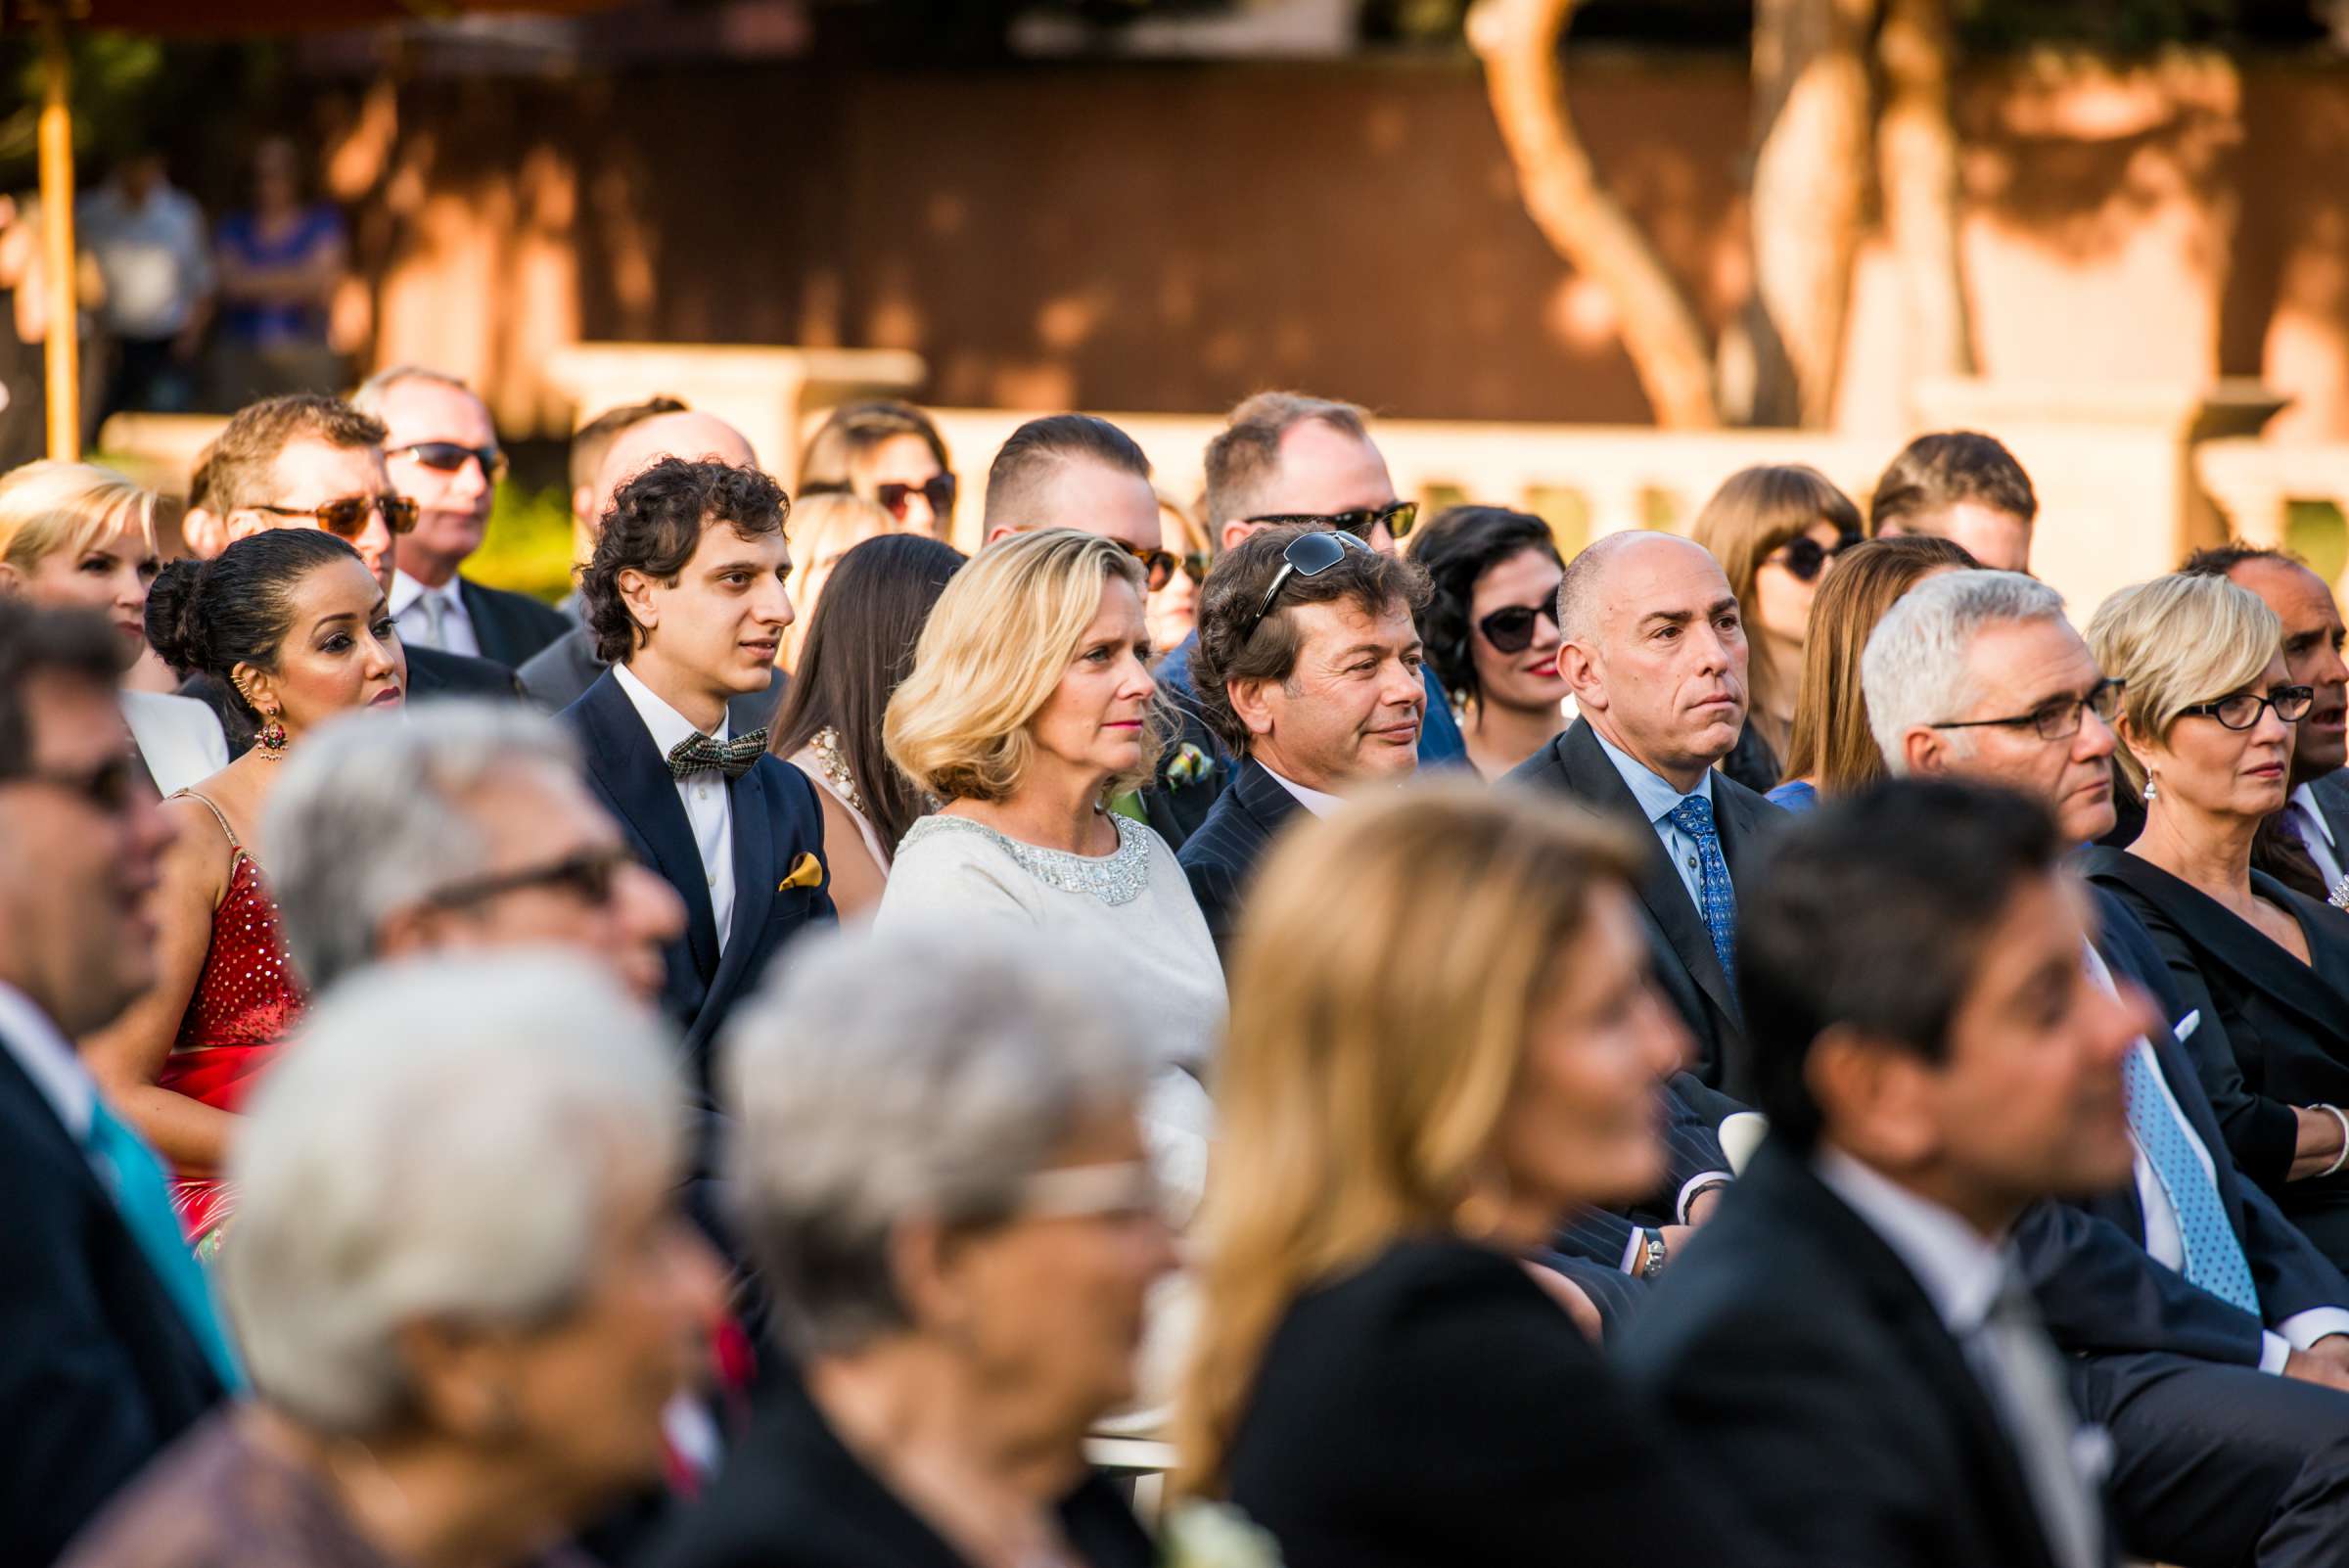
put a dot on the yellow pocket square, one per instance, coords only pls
(806, 872)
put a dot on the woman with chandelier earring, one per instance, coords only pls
(294, 624)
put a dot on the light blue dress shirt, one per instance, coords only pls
(1657, 798)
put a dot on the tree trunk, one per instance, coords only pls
(1917, 147)
(1518, 42)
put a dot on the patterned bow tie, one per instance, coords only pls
(699, 754)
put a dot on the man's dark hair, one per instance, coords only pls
(2221, 560)
(656, 523)
(1872, 913)
(592, 440)
(1939, 471)
(1236, 586)
(239, 469)
(1036, 451)
(39, 644)
(1456, 550)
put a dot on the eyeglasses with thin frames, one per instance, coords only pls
(2057, 719)
(589, 875)
(2241, 711)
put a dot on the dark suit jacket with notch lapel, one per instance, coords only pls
(2331, 793)
(98, 1370)
(561, 672)
(1221, 853)
(776, 819)
(1798, 1359)
(1574, 766)
(509, 627)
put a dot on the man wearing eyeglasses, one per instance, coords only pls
(2207, 1334)
(442, 455)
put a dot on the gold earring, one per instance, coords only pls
(272, 738)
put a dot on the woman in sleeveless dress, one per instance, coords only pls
(294, 624)
(858, 646)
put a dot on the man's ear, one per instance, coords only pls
(1579, 667)
(1234, 531)
(11, 580)
(635, 591)
(1001, 531)
(1925, 752)
(1252, 701)
(580, 501)
(202, 530)
(1881, 1099)
(242, 524)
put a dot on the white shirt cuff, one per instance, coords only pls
(2304, 1329)
(1694, 1185)
(2273, 1351)
(1635, 1252)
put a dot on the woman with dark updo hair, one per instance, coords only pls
(292, 624)
(1491, 629)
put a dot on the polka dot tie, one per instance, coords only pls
(2214, 1257)
(1718, 900)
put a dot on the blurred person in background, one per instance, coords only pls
(1380, 1377)
(887, 452)
(941, 1172)
(77, 535)
(148, 240)
(465, 1291)
(858, 649)
(1834, 751)
(824, 528)
(1172, 611)
(1491, 629)
(1964, 486)
(279, 264)
(590, 444)
(440, 449)
(1777, 533)
(294, 628)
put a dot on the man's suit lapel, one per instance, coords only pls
(1268, 804)
(635, 776)
(490, 628)
(755, 876)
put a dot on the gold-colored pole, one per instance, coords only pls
(63, 344)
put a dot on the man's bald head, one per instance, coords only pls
(1582, 592)
(696, 437)
(1655, 651)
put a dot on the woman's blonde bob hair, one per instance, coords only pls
(2178, 641)
(1359, 1099)
(50, 506)
(992, 654)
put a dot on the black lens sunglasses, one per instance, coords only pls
(1397, 516)
(447, 457)
(1805, 558)
(1510, 628)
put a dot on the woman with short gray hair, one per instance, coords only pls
(462, 1285)
(940, 1169)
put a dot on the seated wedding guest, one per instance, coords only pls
(1490, 625)
(1852, 1347)
(1962, 486)
(1776, 531)
(560, 673)
(860, 646)
(2214, 1288)
(74, 535)
(1308, 668)
(1654, 652)
(466, 827)
(685, 599)
(1833, 751)
(110, 1345)
(295, 628)
(888, 453)
(823, 527)
(463, 1285)
(1378, 1378)
(941, 1174)
(1027, 709)
(590, 444)
(1172, 611)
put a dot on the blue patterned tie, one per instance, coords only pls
(143, 1197)
(1718, 900)
(2214, 1257)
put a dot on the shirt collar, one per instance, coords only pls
(669, 726)
(2305, 797)
(1960, 1271)
(1316, 801)
(407, 590)
(1653, 792)
(48, 1059)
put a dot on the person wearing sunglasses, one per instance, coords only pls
(1776, 531)
(887, 452)
(1492, 629)
(1172, 611)
(442, 455)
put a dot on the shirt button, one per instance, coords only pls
(1692, 863)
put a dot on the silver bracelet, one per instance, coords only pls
(2341, 1159)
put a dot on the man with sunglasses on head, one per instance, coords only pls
(309, 462)
(442, 455)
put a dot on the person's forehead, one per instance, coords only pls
(420, 410)
(722, 543)
(1338, 623)
(2298, 595)
(2028, 661)
(1663, 575)
(904, 458)
(1325, 469)
(1528, 571)
(2042, 922)
(696, 437)
(309, 471)
(1094, 497)
(73, 722)
(537, 809)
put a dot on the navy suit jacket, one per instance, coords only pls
(1223, 851)
(560, 673)
(1574, 766)
(776, 820)
(509, 627)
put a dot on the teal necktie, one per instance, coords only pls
(143, 1198)
(2214, 1257)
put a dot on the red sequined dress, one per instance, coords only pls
(246, 1001)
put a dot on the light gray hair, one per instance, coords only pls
(1916, 667)
(369, 819)
(375, 392)
(437, 1143)
(908, 1072)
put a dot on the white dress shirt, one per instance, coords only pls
(1657, 800)
(2316, 834)
(708, 804)
(415, 607)
(1316, 801)
(48, 1059)
(2165, 1242)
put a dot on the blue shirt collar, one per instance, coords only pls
(1653, 792)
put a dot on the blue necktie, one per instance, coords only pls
(1717, 900)
(143, 1197)
(2214, 1257)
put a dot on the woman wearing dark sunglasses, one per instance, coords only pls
(1492, 629)
(888, 453)
(1775, 531)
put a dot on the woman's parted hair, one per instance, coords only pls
(837, 451)
(654, 526)
(49, 506)
(1455, 551)
(1359, 1097)
(1755, 511)
(209, 617)
(996, 646)
(2178, 641)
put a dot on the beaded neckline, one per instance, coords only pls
(1115, 879)
(825, 744)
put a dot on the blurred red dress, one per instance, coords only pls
(246, 1001)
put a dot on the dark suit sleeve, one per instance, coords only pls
(1218, 898)
(2291, 1274)
(2099, 1292)
(2261, 1132)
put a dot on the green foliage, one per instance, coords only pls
(527, 548)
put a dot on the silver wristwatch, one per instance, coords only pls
(1651, 1254)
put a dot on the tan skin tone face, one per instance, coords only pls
(1092, 722)
(455, 507)
(112, 578)
(2016, 667)
(1783, 600)
(2216, 771)
(1351, 708)
(906, 460)
(1174, 608)
(1526, 680)
(311, 472)
(1661, 670)
(1996, 539)
(1323, 471)
(2312, 653)
(712, 633)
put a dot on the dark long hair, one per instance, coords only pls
(860, 646)
(206, 617)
